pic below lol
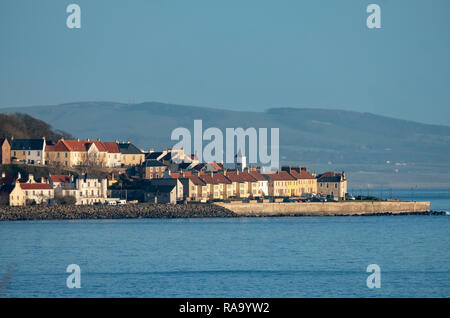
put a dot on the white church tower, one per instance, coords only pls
(241, 161)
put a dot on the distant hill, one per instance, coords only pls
(19, 126)
(374, 150)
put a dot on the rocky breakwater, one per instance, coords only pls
(67, 212)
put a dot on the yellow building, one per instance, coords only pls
(70, 153)
(130, 155)
(281, 184)
(17, 195)
(306, 183)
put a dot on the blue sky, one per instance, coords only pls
(240, 55)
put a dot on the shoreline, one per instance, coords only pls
(166, 211)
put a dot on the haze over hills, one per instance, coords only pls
(374, 150)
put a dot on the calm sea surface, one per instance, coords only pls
(245, 257)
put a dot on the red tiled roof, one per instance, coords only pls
(196, 180)
(206, 177)
(175, 175)
(35, 186)
(215, 165)
(60, 178)
(258, 176)
(280, 176)
(220, 178)
(83, 145)
(215, 178)
(236, 176)
(58, 147)
(111, 147)
(303, 174)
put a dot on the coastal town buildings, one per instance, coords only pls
(85, 189)
(281, 184)
(263, 183)
(152, 169)
(306, 183)
(162, 194)
(192, 180)
(11, 192)
(333, 184)
(193, 187)
(169, 181)
(243, 184)
(5, 151)
(113, 155)
(29, 151)
(130, 155)
(71, 153)
(37, 193)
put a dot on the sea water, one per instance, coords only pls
(238, 257)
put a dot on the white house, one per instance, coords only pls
(37, 193)
(263, 183)
(28, 150)
(85, 189)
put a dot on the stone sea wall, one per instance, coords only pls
(326, 208)
(63, 212)
(211, 210)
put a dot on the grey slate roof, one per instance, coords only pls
(153, 155)
(153, 163)
(129, 149)
(27, 144)
(329, 179)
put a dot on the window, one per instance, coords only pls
(29, 152)
(14, 153)
(39, 153)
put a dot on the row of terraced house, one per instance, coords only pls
(70, 153)
(289, 182)
(198, 181)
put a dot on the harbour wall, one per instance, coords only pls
(326, 208)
